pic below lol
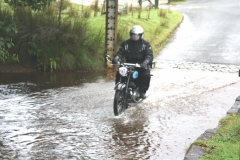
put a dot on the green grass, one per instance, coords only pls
(225, 144)
(157, 30)
(75, 39)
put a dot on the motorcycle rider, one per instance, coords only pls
(137, 50)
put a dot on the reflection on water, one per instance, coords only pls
(66, 116)
(25, 83)
(37, 81)
(43, 115)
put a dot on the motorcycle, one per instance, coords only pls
(126, 90)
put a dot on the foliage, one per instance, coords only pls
(57, 38)
(225, 143)
(49, 46)
(162, 13)
(163, 26)
(87, 13)
(35, 5)
(7, 29)
(95, 7)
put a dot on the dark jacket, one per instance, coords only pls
(136, 51)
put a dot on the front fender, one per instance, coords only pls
(119, 86)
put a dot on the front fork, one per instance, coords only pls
(121, 85)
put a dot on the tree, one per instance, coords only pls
(36, 5)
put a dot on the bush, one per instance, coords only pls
(47, 44)
(7, 30)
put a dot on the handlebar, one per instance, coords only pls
(108, 58)
(132, 64)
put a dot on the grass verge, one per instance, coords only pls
(72, 37)
(225, 144)
(158, 25)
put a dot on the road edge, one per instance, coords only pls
(195, 152)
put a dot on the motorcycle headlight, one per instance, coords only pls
(122, 71)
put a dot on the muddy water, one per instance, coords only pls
(70, 116)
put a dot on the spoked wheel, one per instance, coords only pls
(120, 103)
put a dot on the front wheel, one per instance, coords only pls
(120, 103)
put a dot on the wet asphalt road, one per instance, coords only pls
(77, 121)
(210, 33)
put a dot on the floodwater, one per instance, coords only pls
(54, 116)
(70, 115)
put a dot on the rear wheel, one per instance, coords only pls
(120, 103)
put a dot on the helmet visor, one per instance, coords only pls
(135, 37)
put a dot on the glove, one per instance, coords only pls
(144, 65)
(116, 60)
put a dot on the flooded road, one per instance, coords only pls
(70, 116)
(76, 120)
